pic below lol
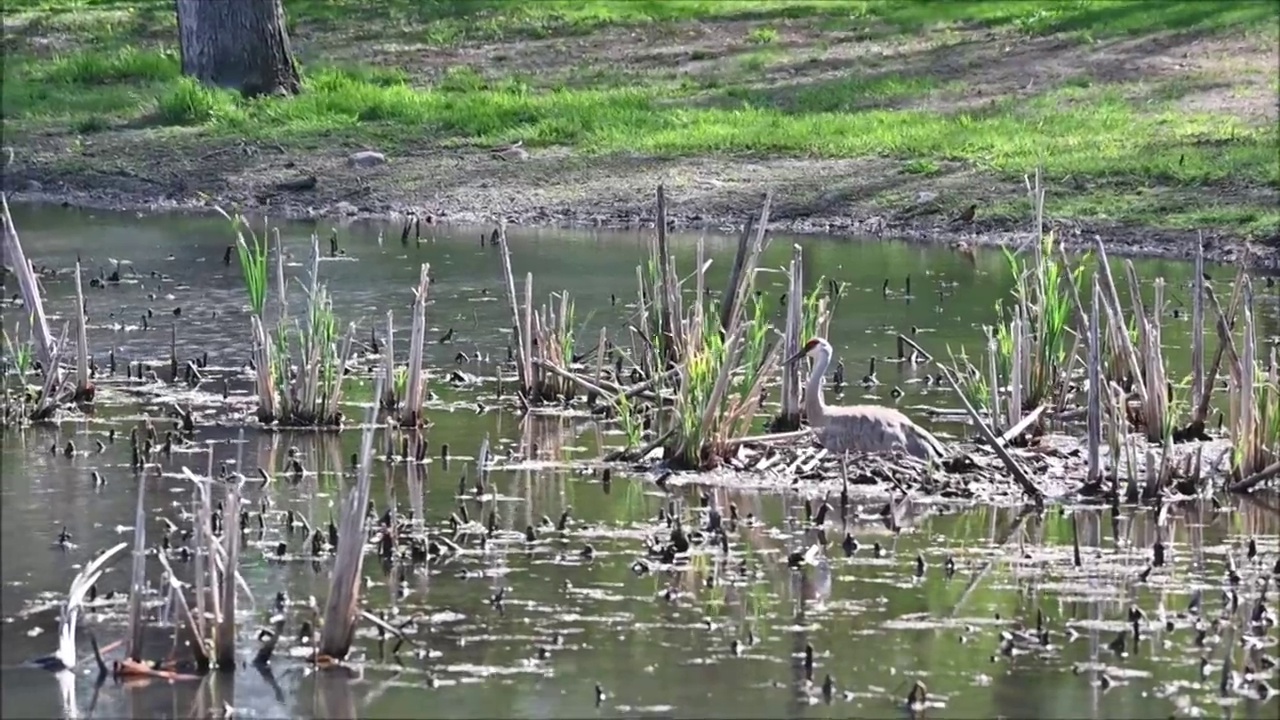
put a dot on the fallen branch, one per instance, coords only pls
(769, 438)
(1247, 484)
(584, 383)
(1026, 422)
(1019, 475)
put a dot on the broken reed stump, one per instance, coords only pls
(411, 411)
(342, 610)
(84, 390)
(224, 649)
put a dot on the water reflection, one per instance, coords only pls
(724, 635)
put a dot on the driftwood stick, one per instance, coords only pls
(769, 438)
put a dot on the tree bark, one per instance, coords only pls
(237, 44)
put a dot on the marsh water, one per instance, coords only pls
(723, 637)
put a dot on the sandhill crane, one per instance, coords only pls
(859, 428)
(65, 656)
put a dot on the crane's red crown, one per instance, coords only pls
(813, 343)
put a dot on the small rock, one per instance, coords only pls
(34, 186)
(366, 159)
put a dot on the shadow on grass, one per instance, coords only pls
(991, 68)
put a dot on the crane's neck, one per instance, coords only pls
(814, 408)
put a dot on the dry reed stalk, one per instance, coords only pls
(747, 267)
(417, 481)
(1154, 399)
(789, 419)
(698, 320)
(173, 352)
(526, 338)
(1115, 430)
(281, 287)
(1117, 329)
(416, 386)
(137, 576)
(601, 349)
(523, 366)
(201, 511)
(29, 287)
(1095, 386)
(1019, 367)
(53, 389)
(733, 346)
(308, 401)
(175, 589)
(1197, 326)
(225, 639)
(83, 389)
(643, 332)
(668, 294)
(730, 301)
(1252, 415)
(268, 410)
(389, 399)
(1200, 412)
(342, 611)
(1156, 406)
(993, 375)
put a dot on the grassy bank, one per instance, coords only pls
(985, 90)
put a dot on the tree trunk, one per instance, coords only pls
(237, 44)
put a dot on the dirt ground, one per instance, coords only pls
(870, 197)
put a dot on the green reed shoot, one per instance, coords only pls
(631, 425)
(1045, 303)
(554, 332)
(19, 354)
(971, 379)
(818, 307)
(253, 263)
(400, 382)
(720, 387)
(567, 347)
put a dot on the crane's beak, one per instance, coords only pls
(796, 357)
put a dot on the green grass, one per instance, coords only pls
(444, 22)
(1124, 138)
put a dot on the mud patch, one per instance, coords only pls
(867, 197)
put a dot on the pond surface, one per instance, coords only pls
(725, 636)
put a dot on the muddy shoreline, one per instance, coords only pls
(495, 191)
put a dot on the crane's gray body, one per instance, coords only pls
(861, 428)
(872, 429)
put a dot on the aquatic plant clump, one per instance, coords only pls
(718, 393)
(308, 394)
(718, 355)
(39, 403)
